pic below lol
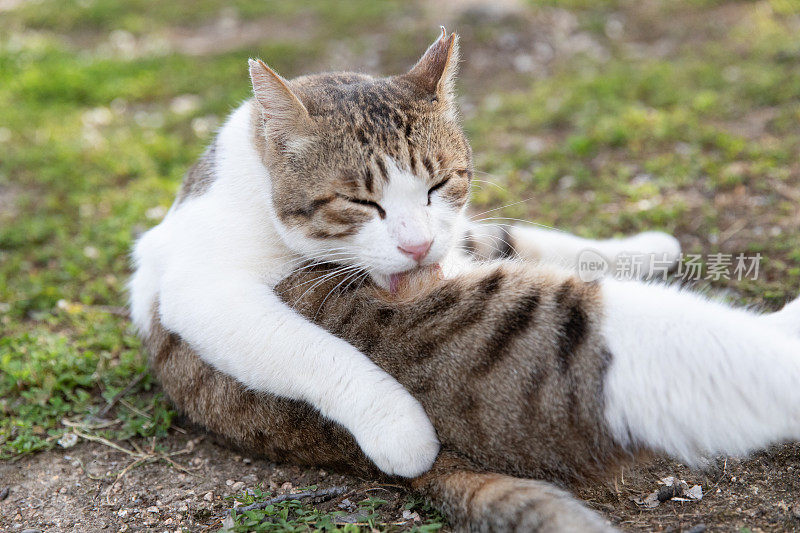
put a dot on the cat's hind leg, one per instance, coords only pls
(531, 243)
(475, 500)
(787, 319)
(692, 377)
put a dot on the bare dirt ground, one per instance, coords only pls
(77, 489)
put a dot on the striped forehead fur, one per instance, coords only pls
(355, 126)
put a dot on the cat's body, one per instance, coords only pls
(369, 173)
(523, 372)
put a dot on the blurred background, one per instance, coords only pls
(598, 117)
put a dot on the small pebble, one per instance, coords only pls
(68, 440)
(209, 496)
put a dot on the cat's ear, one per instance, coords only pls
(435, 72)
(283, 110)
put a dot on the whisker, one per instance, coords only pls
(501, 207)
(353, 275)
(488, 182)
(517, 220)
(498, 242)
(326, 277)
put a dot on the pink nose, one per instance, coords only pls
(417, 252)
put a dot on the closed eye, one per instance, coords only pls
(436, 188)
(367, 203)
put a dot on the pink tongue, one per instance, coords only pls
(394, 281)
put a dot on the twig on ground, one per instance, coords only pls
(321, 495)
(135, 381)
(141, 457)
(177, 466)
(128, 405)
(108, 443)
(88, 425)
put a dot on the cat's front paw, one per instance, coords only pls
(397, 435)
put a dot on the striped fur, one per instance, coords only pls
(457, 345)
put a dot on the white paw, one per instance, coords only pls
(656, 243)
(653, 252)
(397, 435)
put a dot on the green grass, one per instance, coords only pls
(296, 516)
(653, 143)
(93, 138)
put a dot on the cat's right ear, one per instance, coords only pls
(284, 112)
(435, 72)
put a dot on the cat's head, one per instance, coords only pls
(369, 172)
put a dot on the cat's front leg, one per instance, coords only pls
(238, 325)
(648, 252)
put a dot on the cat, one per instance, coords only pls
(524, 370)
(372, 174)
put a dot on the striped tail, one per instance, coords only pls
(477, 501)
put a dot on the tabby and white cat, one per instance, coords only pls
(524, 370)
(372, 174)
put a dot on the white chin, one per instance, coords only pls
(381, 280)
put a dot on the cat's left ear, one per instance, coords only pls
(435, 72)
(286, 114)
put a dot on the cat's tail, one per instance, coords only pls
(692, 377)
(480, 501)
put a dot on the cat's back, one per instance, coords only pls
(221, 216)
